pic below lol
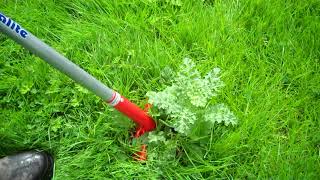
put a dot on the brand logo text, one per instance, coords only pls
(13, 25)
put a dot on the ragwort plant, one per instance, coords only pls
(187, 102)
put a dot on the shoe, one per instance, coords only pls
(30, 165)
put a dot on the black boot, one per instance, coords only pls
(31, 165)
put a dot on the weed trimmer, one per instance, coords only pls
(27, 40)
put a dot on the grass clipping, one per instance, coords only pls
(188, 102)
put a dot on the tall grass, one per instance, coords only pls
(268, 51)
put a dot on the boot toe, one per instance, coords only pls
(31, 165)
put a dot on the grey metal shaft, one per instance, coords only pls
(45, 52)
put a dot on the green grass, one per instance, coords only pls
(268, 52)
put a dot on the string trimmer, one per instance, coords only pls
(20, 35)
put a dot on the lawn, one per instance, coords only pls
(268, 52)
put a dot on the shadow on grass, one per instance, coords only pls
(9, 146)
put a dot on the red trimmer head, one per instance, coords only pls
(144, 121)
